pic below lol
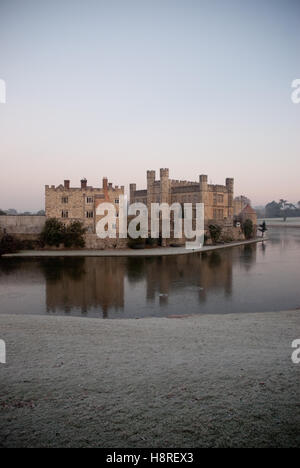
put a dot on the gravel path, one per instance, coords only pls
(205, 381)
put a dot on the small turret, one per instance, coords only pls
(150, 176)
(230, 184)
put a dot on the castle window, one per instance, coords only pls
(116, 201)
(64, 199)
(89, 214)
(220, 198)
(89, 199)
(64, 214)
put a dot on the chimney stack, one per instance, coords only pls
(67, 184)
(104, 183)
(83, 183)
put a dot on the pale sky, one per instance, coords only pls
(116, 87)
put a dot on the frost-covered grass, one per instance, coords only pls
(223, 380)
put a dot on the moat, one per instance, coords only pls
(251, 278)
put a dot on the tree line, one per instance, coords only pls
(282, 209)
(14, 212)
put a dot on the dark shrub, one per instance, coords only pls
(55, 233)
(28, 244)
(138, 243)
(52, 233)
(215, 232)
(74, 235)
(248, 229)
(151, 242)
(9, 244)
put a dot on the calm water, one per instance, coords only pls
(252, 278)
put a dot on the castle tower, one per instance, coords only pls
(150, 194)
(230, 189)
(132, 189)
(164, 192)
(164, 186)
(203, 187)
(150, 187)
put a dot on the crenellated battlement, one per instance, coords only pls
(217, 199)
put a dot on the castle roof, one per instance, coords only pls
(249, 210)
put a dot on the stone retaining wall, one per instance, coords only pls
(17, 224)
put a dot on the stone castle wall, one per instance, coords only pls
(18, 224)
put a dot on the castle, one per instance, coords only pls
(80, 203)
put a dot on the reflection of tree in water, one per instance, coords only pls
(9, 265)
(288, 237)
(218, 274)
(263, 248)
(52, 267)
(135, 269)
(21, 270)
(55, 268)
(248, 255)
(215, 259)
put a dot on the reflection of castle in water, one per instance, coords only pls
(93, 283)
(196, 273)
(100, 286)
(85, 283)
